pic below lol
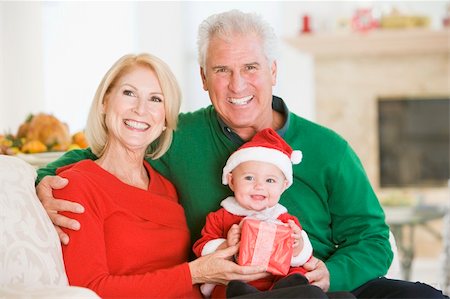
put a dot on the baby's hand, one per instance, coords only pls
(234, 235)
(297, 237)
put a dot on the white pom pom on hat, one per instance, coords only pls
(265, 146)
(296, 157)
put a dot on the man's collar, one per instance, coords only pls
(277, 105)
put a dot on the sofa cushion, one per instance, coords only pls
(30, 251)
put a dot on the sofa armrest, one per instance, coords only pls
(66, 292)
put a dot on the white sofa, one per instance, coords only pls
(31, 264)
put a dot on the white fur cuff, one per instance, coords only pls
(212, 246)
(305, 254)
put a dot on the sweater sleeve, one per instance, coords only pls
(358, 228)
(68, 158)
(85, 257)
(213, 235)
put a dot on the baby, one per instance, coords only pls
(258, 173)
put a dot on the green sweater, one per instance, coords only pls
(331, 194)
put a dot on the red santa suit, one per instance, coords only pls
(214, 233)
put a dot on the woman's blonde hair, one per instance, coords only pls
(96, 130)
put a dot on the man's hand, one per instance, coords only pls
(317, 274)
(52, 205)
(217, 268)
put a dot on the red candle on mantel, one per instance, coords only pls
(306, 25)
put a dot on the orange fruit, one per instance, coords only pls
(34, 146)
(80, 139)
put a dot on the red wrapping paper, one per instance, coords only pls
(266, 243)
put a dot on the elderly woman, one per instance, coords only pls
(134, 240)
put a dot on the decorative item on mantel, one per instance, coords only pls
(446, 23)
(364, 20)
(306, 24)
(396, 20)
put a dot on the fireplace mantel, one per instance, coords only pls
(377, 42)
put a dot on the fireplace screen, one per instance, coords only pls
(414, 142)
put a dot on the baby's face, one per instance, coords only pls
(257, 185)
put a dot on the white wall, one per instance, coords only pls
(21, 64)
(81, 42)
(53, 54)
(159, 30)
(3, 120)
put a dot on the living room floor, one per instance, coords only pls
(428, 270)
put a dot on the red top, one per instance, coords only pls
(132, 242)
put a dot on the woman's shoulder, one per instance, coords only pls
(78, 168)
(84, 181)
(85, 177)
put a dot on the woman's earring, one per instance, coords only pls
(164, 128)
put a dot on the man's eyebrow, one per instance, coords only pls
(219, 67)
(226, 67)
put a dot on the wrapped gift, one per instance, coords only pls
(266, 243)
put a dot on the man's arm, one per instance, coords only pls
(66, 159)
(358, 228)
(47, 181)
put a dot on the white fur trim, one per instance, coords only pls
(262, 154)
(211, 246)
(231, 205)
(305, 254)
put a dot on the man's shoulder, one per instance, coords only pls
(305, 128)
(192, 129)
(312, 137)
(195, 117)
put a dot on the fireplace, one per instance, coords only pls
(413, 136)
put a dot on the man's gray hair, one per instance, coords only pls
(232, 22)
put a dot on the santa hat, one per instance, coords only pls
(265, 146)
